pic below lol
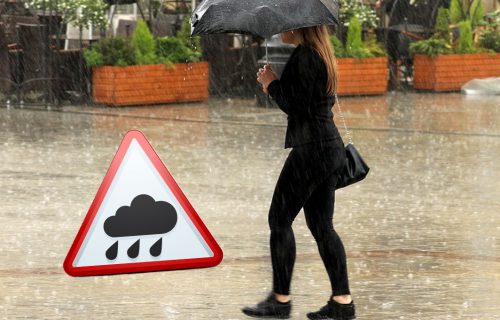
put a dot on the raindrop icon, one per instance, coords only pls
(112, 251)
(133, 251)
(155, 249)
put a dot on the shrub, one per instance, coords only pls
(456, 13)
(144, 44)
(370, 47)
(375, 48)
(354, 46)
(184, 34)
(493, 19)
(93, 57)
(442, 24)
(439, 43)
(430, 47)
(461, 10)
(110, 52)
(143, 48)
(173, 50)
(338, 47)
(465, 41)
(476, 13)
(490, 39)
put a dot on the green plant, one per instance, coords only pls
(375, 48)
(440, 42)
(371, 48)
(93, 57)
(476, 15)
(472, 10)
(442, 24)
(173, 50)
(354, 45)
(465, 42)
(110, 52)
(437, 44)
(144, 44)
(490, 39)
(143, 48)
(493, 19)
(338, 47)
(430, 47)
(184, 34)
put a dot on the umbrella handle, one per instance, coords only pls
(268, 96)
(267, 60)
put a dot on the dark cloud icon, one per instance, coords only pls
(144, 216)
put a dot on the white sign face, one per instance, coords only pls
(137, 219)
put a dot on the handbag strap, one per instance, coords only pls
(347, 131)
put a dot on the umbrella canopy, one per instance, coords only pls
(262, 18)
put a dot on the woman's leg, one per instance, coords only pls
(283, 210)
(298, 178)
(318, 211)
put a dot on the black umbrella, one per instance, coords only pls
(262, 18)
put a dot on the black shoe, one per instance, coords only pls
(269, 308)
(334, 311)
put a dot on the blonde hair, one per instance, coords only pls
(318, 37)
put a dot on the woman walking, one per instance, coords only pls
(306, 93)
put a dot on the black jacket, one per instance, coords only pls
(301, 93)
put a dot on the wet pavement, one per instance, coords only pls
(422, 232)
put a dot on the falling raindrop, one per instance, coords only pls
(133, 251)
(155, 249)
(112, 251)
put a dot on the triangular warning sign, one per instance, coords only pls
(140, 220)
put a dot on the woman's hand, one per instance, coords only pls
(265, 76)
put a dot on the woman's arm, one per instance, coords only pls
(276, 92)
(294, 91)
(265, 76)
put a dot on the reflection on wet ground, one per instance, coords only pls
(422, 231)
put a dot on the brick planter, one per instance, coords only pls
(364, 76)
(449, 72)
(150, 84)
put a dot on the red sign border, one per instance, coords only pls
(140, 266)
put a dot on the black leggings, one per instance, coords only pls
(307, 180)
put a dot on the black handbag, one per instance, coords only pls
(355, 168)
